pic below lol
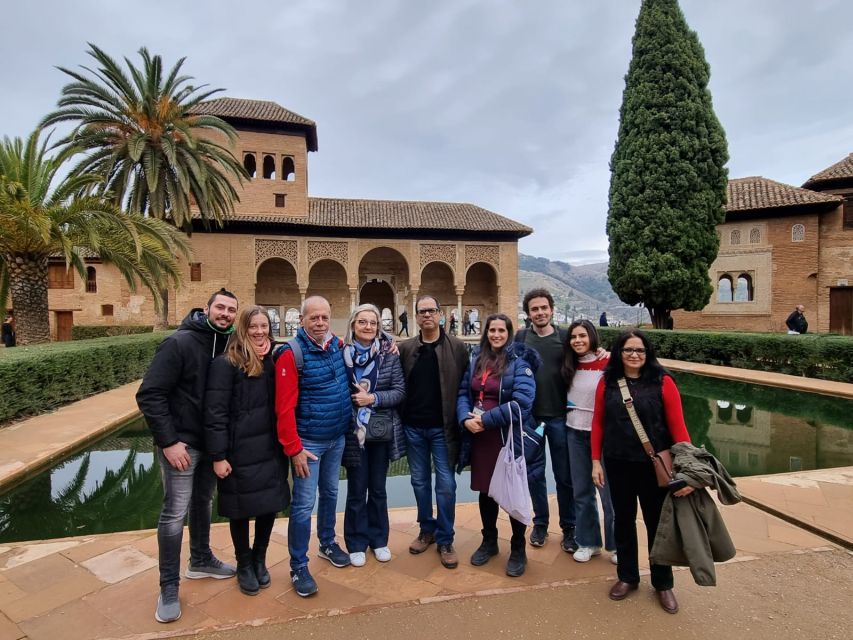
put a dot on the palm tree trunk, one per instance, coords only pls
(162, 322)
(28, 286)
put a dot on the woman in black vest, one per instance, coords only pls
(630, 473)
(241, 438)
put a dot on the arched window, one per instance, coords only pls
(269, 168)
(250, 165)
(755, 236)
(724, 411)
(724, 289)
(743, 413)
(735, 237)
(91, 280)
(291, 322)
(798, 233)
(288, 170)
(743, 292)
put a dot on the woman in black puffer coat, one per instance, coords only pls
(240, 436)
(379, 388)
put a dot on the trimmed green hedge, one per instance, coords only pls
(87, 332)
(827, 357)
(37, 379)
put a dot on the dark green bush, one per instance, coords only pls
(87, 332)
(827, 357)
(37, 379)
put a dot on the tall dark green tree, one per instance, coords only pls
(668, 177)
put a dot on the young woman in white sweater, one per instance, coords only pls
(582, 369)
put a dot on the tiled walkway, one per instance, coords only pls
(106, 586)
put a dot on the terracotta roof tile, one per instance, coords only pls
(344, 213)
(842, 170)
(264, 110)
(748, 194)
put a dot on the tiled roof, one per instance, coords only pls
(343, 213)
(264, 110)
(842, 170)
(749, 194)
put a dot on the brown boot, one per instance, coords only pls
(422, 542)
(448, 556)
(667, 601)
(620, 590)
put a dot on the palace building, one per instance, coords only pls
(282, 245)
(781, 246)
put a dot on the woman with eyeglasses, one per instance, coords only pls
(630, 473)
(378, 389)
(500, 372)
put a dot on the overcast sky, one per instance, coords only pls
(508, 104)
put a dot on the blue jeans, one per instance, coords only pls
(555, 434)
(427, 447)
(588, 528)
(188, 492)
(366, 517)
(323, 475)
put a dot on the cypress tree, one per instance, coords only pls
(668, 179)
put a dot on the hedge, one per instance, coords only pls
(87, 332)
(38, 379)
(828, 357)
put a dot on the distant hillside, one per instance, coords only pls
(579, 291)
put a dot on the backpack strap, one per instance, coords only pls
(293, 346)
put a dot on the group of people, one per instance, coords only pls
(229, 407)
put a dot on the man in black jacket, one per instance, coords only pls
(171, 398)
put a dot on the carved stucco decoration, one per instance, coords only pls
(285, 249)
(489, 253)
(324, 250)
(442, 252)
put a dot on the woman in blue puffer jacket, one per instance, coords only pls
(500, 374)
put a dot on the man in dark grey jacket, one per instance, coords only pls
(171, 398)
(433, 363)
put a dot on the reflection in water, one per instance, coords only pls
(115, 484)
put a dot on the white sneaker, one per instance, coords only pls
(613, 558)
(357, 559)
(583, 554)
(383, 554)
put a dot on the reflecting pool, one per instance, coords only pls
(114, 485)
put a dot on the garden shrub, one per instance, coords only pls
(87, 332)
(40, 378)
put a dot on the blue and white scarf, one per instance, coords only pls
(363, 368)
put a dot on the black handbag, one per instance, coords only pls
(380, 427)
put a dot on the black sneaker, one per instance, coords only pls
(569, 544)
(538, 535)
(334, 554)
(303, 583)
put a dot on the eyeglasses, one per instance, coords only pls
(366, 323)
(428, 312)
(628, 351)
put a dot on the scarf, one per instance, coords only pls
(362, 365)
(262, 350)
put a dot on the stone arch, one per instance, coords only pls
(437, 279)
(250, 164)
(481, 290)
(276, 288)
(328, 278)
(384, 266)
(377, 293)
(744, 291)
(288, 169)
(269, 167)
(725, 288)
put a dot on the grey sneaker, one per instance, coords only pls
(168, 605)
(212, 568)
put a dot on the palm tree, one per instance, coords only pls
(44, 215)
(142, 132)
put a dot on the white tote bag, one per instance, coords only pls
(509, 479)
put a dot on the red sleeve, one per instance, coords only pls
(597, 435)
(673, 412)
(286, 396)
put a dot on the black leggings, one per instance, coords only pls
(489, 516)
(240, 532)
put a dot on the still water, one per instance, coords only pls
(114, 485)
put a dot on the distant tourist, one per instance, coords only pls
(630, 473)
(454, 323)
(9, 331)
(314, 412)
(376, 380)
(474, 318)
(241, 438)
(171, 398)
(797, 322)
(602, 319)
(499, 377)
(404, 323)
(466, 322)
